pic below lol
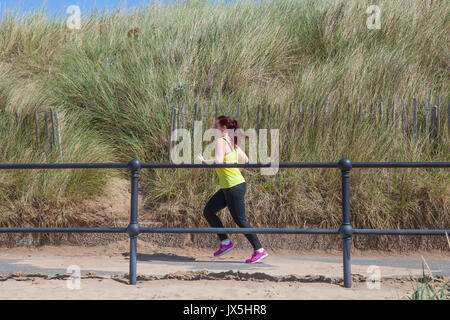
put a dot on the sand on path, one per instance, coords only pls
(192, 273)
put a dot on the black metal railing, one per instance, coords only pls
(133, 229)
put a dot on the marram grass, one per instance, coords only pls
(116, 79)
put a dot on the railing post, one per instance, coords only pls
(133, 227)
(346, 229)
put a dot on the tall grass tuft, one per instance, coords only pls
(431, 287)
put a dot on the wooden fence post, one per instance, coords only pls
(36, 122)
(172, 124)
(405, 119)
(415, 117)
(258, 117)
(177, 123)
(279, 115)
(205, 116)
(300, 113)
(195, 116)
(435, 123)
(52, 118)
(183, 115)
(288, 126)
(448, 118)
(360, 111)
(47, 143)
(58, 126)
(371, 114)
(427, 117)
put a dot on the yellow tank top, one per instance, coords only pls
(230, 177)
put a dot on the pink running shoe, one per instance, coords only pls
(257, 256)
(224, 248)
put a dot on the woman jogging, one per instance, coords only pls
(232, 190)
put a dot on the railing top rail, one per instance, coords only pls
(63, 165)
(444, 164)
(302, 165)
(155, 165)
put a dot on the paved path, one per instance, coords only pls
(164, 263)
(312, 273)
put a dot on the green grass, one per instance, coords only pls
(120, 89)
(38, 197)
(430, 288)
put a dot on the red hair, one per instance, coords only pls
(230, 124)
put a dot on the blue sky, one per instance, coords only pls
(59, 7)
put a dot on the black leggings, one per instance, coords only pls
(233, 198)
